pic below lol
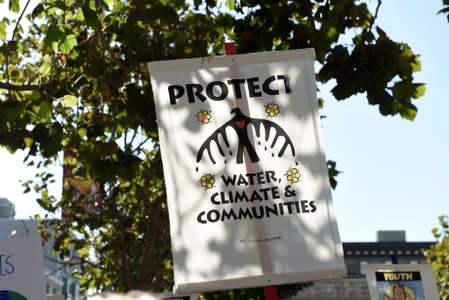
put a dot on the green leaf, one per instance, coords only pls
(14, 6)
(408, 111)
(54, 36)
(332, 173)
(403, 89)
(3, 27)
(37, 10)
(277, 41)
(28, 142)
(436, 233)
(45, 68)
(13, 110)
(79, 15)
(69, 100)
(83, 251)
(406, 90)
(444, 10)
(40, 133)
(90, 16)
(420, 90)
(320, 103)
(82, 131)
(230, 4)
(416, 65)
(332, 33)
(109, 3)
(44, 196)
(68, 43)
(45, 110)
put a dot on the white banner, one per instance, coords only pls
(246, 176)
(400, 281)
(22, 268)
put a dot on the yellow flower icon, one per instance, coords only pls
(293, 175)
(272, 109)
(203, 116)
(207, 181)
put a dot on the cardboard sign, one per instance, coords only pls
(401, 281)
(22, 268)
(246, 176)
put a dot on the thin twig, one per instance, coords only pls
(141, 144)
(132, 139)
(62, 264)
(379, 2)
(19, 19)
(55, 271)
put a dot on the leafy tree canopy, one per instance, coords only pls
(75, 80)
(438, 257)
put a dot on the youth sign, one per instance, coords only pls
(246, 177)
(22, 268)
(400, 281)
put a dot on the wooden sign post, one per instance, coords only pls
(269, 291)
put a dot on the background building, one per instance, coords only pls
(58, 276)
(391, 246)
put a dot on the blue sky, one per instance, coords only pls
(395, 172)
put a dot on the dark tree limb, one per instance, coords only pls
(25, 87)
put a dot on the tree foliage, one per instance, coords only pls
(438, 257)
(75, 81)
(445, 9)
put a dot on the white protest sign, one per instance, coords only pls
(246, 176)
(22, 269)
(400, 281)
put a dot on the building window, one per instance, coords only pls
(353, 268)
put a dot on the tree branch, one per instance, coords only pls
(138, 148)
(25, 87)
(18, 20)
(379, 3)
